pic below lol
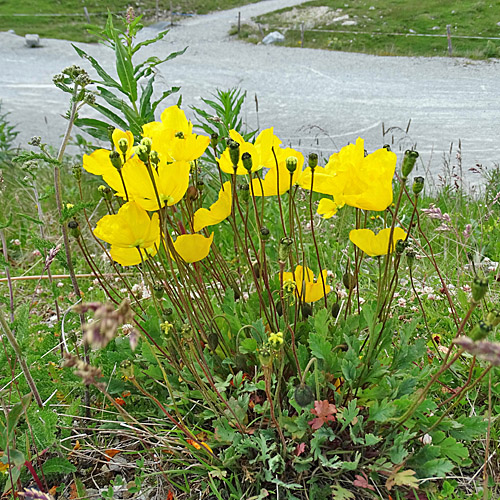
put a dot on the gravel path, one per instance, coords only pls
(315, 99)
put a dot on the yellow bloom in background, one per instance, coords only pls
(131, 232)
(217, 212)
(328, 208)
(277, 179)
(193, 247)
(308, 289)
(261, 152)
(171, 180)
(173, 137)
(373, 244)
(355, 179)
(98, 163)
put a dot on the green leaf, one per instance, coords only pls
(467, 428)
(124, 68)
(320, 347)
(248, 346)
(58, 465)
(371, 439)
(348, 414)
(438, 467)
(340, 493)
(354, 464)
(149, 41)
(12, 419)
(145, 109)
(44, 424)
(383, 411)
(453, 450)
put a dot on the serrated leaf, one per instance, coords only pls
(467, 428)
(402, 478)
(453, 450)
(248, 346)
(12, 419)
(383, 411)
(437, 467)
(340, 493)
(58, 465)
(124, 68)
(44, 425)
(371, 439)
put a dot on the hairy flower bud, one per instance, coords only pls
(214, 140)
(493, 317)
(244, 192)
(284, 248)
(303, 395)
(234, 152)
(418, 185)
(77, 171)
(480, 331)
(116, 159)
(246, 159)
(74, 228)
(264, 233)
(123, 145)
(479, 288)
(409, 160)
(400, 246)
(148, 143)
(142, 153)
(291, 164)
(312, 161)
(192, 193)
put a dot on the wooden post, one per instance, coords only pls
(448, 33)
(86, 12)
(239, 22)
(302, 34)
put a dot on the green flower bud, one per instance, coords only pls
(154, 158)
(213, 341)
(480, 331)
(493, 318)
(264, 233)
(303, 395)
(265, 356)
(291, 164)
(111, 129)
(116, 159)
(105, 191)
(348, 280)
(418, 185)
(335, 310)
(214, 140)
(169, 313)
(158, 290)
(142, 153)
(246, 159)
(187, 332)
(148, 143)
(307, 310)
(479, 289)
(400, 246)
(410, 257)
(234, 152)
(409, 160)
(244, 192)
(313, 160)
(123, 145)
(74, 228)
(77, 171)
(284, 248)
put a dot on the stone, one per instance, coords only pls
(349, 23)
(273, 37)
(11, 32)
(435, 28)
(32, 40)
(411, 31)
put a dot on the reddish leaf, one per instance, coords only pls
(362, 482)
(324, 413)
(111, 453)
(170, 495)
(301, 448)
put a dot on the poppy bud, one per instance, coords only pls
(335, 310)
(400, 246)
(214, 140)
(191, 193)
(410, 256)
(480, 331)
(105, 192)
(234, 152)
(479, 288)
(418, 185)
(279, 307)
(348, 280)
(148, 143)
(77, 171)
(313, 160)
(303, 395)
(116, 159)
(159, 290)
(409, 160)
(111, 129)
(284, 248)
(142, 153)
(213, 341)
(264, 233)
(123, 145)
(307, 310)
(244, 192)
(246, 159)
(493, 317)
(154, 157)
(74, 228)
(265, 357)
(291, 164)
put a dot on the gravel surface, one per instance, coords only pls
(316, 100)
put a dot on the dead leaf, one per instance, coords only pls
(324, 413)
(401, 478)
(111, 453)
(362, 482)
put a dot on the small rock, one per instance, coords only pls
(436, 28)
(349, 23)
(32, 40)
(11, 32)
(372, 7)
(411, 31)
(273, 37)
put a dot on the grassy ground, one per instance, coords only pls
(389, 27)
(66, 20)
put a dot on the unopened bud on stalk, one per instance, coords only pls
(400, 246)
(307, 310)
(200, 184)
(244, 192)
(105, 192)
(409, 160)
(493, 317)
(480, 331)
(265, 356)
(74, 228)
(123, 145)
(187, 332)
(142, 153)
(148, 143)
(387, 146)
(418, 185)
(479, 288)
(264, 233)
(192, 193)
(284, 248)
(291, 164)
(335, 310)
(348, 280)
(246, 159)
(154, 158)
(158, 289)
(303, 395)
(111, 129)
(214, 140)
(77, 171)
(312, 161)
(116, 159)
(234, 152)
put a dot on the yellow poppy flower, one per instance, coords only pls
(373, 244)
(277, 179)
(355, 179)
(173, 137)
(217, 212)
(131, 234)
(261, 152)
(193, 247)
(308, 289)
(171, 180)
(328, 208)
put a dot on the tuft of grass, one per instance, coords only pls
(390, 27)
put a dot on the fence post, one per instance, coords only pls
(448, 33)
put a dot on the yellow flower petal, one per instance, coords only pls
(128, 136)
(375, 245)
(308, 289)
(132, 256)
(217, 212)
(327, 208)
(193, 247)
(98, 163)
